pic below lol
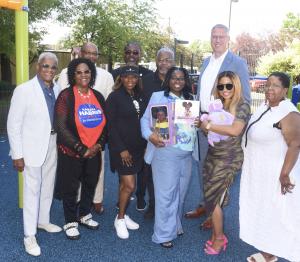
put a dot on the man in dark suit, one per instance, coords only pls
(132, 56)
(153, 83)
(221, 60)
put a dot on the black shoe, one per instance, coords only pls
(140, 204)
(149, 214)
(167, 244)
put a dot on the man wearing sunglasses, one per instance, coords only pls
(221, 60)
(132, 56)
(33, 147)
(104, 83)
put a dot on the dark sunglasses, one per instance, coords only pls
(86, 72)
(129, 52)
(47, 66)
(227, 86)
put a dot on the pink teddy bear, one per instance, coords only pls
(217, 115)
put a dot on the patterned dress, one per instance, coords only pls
(222, 163)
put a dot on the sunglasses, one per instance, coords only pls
(129, 52)
(47, 66)
(86, 72)
(226, 86)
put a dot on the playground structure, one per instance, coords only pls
(22, 62)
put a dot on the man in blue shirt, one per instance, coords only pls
(33, 147)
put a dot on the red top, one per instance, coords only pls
(89, 117)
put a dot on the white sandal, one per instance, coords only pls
(260, 258)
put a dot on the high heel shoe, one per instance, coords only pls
(209, 250)
(209, 242)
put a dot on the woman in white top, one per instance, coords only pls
(270, 192)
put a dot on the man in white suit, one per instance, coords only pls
(104, 83)
(33, 147)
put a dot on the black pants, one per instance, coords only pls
(144, 180)
(71, 171)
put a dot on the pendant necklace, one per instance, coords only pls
(136, 105)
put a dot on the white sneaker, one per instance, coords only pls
(71, 230)
(51, 228)
(130, 224)
(121, 228)
(31, 246)
(88, 222)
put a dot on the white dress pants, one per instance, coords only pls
(38, 186)
(99, 190)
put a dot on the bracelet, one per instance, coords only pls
(208, 126)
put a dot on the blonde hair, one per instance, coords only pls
(237, 96)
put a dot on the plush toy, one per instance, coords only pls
(217, 115)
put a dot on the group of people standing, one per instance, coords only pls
(64, 133)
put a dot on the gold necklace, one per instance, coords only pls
(83, 95)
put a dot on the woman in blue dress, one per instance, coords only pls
(171, 164)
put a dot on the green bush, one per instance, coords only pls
(287, 61)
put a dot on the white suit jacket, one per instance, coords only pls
(103, 84)
(28, 123)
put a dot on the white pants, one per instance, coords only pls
(99, 190)
(38, 186)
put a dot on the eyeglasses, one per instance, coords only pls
(86, 72)
(47, 66)
(166, 60)
(91, 53)
(273, 86)
(178, 79)
(218, 37)
(130, 52)
(221, 87)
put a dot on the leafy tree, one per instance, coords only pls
(287, 61)
(199, 49)
(111, 23)
(39, 10)
(290, 29)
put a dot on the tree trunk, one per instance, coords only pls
(6, 74)
(110, 63)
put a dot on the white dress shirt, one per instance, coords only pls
(208, 79)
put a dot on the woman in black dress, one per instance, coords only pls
(125, 106)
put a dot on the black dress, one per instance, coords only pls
(124, 130)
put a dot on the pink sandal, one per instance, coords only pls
(209, 250)
(209, 242)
